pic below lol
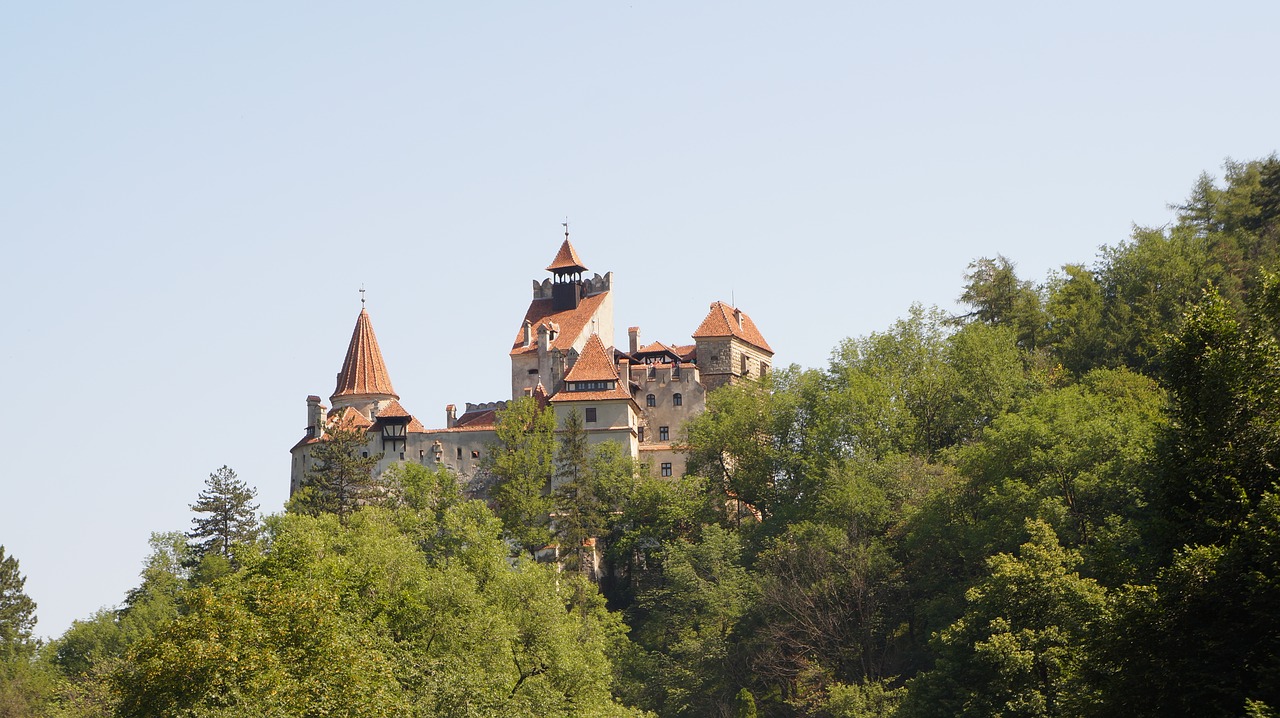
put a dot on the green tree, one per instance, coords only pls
(17, 611)
(342, 479)
(999, 298)
(592, 486)
(1020, 648)
(229, 515)
(523, 462)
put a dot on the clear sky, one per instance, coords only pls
(191, 195)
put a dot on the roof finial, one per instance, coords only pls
(362, 296)
(565, 224)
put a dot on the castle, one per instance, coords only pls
(562, 355)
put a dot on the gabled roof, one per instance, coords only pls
(567, 259)
(363, 371)
(722, 321)
(571, 322)
(477, 419)
(348, 418)
(594, 364)
(393, 410)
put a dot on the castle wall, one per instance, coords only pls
(659, 380)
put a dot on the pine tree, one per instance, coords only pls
(342, 479)
(17, 610)
(229, 516)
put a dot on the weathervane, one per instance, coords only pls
(565, 224)
(362, 296)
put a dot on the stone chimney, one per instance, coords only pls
(315, 416)
(544, 338)
(450, 416)
(633, 334)
(624, 371)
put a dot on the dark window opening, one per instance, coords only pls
(677, 400)
(475, 454)
(651, 400)
(641, 433)
(591, 414)
(533, 371)
(365, 454)
(459, 452)
(666, 469)
(663, 433)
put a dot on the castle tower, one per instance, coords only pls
(730, 347)
(603, 399)
(566, 288)
(565, 311)
(363, 384)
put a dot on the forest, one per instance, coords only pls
(1064, 501)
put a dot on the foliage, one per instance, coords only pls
(17, 611)
(342, 479)
(230, 515)
(523, 461)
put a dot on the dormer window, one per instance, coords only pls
(592, 385)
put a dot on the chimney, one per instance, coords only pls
(633, 333)
(528, 332)
(450, 416)
(315, 414)
(737, 314)
(544, 338)
(624, 370)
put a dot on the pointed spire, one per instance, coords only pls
(363, 371)
(567, 259)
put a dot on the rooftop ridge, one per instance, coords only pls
(363, 370)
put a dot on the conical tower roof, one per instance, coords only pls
(567, 259)
(363, 371)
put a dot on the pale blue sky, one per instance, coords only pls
(191, 195)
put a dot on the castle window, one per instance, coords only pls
(641, 432)
(663, 434)
(402, 456)
(666, 469)
(675, 371)
(591, 414)
(651, 400)
(459, 452)
(653, 372)
(764, 368)
(475, 454)
(677, 400)
(365, 454)
(533, 371)
(746, 370)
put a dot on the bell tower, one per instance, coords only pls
(567, 268)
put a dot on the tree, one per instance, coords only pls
(230, 515)
(342, 479)
(592, 484)
(1019, 649)
(999, 298)
(17, 611)
(523, 460)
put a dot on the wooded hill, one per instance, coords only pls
(1063, 503)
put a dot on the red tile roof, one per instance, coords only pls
(593, 364)
(416, 427)
(363, 371)
(392, 410)
(477, 419)
(567, 259)
(348, 418)
(571, 321)
(721, 322)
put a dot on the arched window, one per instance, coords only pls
(651, 400)
(677, 400)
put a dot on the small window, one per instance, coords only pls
(475, 454)
(591, 414)
(677, 400)
(764, 368)
(459, 452)
(746, 370)
(365, 454)
(663, 433)
(640, 431)
(675, 371)
(653, 372)
(666, 469)
(533, 371)
(651, 400)
(402, 456)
